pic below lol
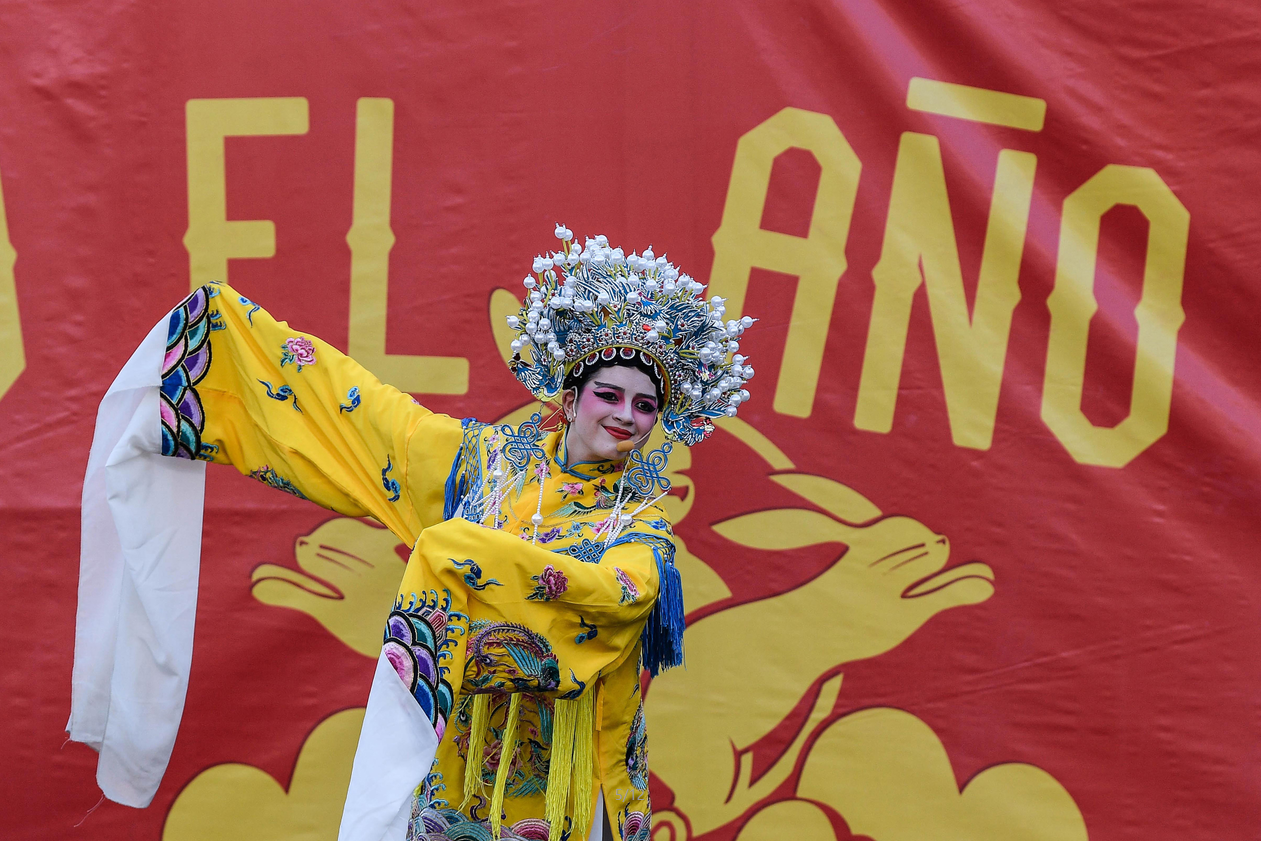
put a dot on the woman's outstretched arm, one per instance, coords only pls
(293, 412)
(218, 380)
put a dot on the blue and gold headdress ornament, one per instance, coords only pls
(593, 302)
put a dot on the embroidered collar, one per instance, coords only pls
(558, 449)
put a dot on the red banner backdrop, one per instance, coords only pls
(1005, 266)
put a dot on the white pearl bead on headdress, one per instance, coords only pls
(639, 305)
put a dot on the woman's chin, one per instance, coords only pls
(610, 453)
(603, 448)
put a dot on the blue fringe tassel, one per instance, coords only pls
(663, 635)
(457, 480)
(454, 491)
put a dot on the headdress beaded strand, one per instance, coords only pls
(593, 302)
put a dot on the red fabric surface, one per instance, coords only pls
(1119, 652)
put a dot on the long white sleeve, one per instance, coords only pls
(396, 750)
(139, 562)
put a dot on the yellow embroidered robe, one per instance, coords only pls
(491, 607)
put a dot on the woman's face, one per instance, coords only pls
(615, 404)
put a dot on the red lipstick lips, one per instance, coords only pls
(617, 432)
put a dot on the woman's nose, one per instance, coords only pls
(623, 411)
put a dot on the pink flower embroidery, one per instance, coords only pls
(630, 593)
(550, 584)
(540, 470)
(299, 351)
(554, 581)
(569, 489)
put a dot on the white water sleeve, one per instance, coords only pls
(597, 825)
(397, 746)
(139, 560)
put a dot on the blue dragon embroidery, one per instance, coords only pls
(473, 577)
(282, 394)
(589, 631)
(574, 693)
(268, 476)
(391, 485)
(253, 308)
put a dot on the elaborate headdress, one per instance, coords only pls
(590, 303)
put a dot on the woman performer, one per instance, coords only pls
(506, 700)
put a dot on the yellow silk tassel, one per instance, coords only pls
(506, 753)
(584, 757)
(476, 759)
(561, 767)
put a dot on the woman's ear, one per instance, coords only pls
(569, 404)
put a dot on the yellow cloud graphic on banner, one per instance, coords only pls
(235, 802)
(888, 774)
(804, 820)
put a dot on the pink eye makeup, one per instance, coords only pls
(613, 394)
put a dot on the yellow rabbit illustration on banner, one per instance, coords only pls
(883, 770)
